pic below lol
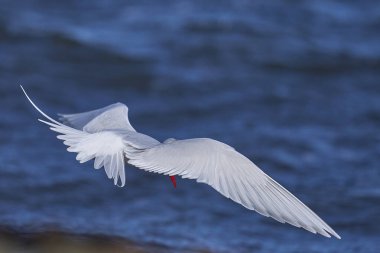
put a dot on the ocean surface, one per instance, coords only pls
(293, 85)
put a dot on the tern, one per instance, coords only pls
(107, 136)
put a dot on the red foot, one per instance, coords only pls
(173, 181)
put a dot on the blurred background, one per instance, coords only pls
(294, 85)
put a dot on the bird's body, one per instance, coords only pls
(107, 136)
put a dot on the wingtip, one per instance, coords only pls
(331, 234)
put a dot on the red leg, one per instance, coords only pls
(173, 181)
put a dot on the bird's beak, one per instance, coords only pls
(173, 181)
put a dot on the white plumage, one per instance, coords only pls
(107, 136)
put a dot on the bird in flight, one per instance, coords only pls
(107, 136)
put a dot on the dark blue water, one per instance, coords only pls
(293, 85)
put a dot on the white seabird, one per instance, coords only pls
(107, 136)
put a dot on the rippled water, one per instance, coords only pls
(293, 85)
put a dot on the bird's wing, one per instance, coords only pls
(233, 175)
(107, 147)
(114, 116)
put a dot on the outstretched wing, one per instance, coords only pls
(107, 147)
(233, 175)
(111, 117)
